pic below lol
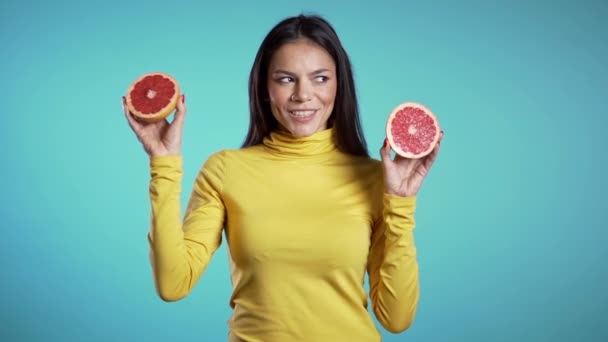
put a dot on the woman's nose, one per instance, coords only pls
(302, 92)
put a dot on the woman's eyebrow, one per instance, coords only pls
(320, 71)
(281, 71)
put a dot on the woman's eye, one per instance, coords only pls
(285, 79)
(321, 79)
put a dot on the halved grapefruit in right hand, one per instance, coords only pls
(153, 96)
(412, 130)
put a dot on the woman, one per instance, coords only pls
(305, 210)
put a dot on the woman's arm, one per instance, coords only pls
(392, 264)
(180, 251)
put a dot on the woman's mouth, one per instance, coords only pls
(302, 115)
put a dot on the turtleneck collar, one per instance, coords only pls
(285, 144)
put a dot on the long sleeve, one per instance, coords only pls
(392, 264)
(181, 251)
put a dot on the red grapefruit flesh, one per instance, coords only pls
(412, 130)
(153, 96)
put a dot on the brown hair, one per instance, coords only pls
(345, 115)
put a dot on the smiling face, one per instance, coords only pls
(302, 87)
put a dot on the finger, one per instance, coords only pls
(135, 126)
(180, 112)
(385, 151)
(430, 159)
(435, 151)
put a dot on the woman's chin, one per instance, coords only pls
(301, 131)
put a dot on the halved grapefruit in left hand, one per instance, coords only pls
(412, 130)
(153, 96)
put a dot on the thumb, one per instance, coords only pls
(385, 151)
(180, 112)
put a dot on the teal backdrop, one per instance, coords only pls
(511, 223)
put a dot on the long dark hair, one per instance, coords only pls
(345, 115)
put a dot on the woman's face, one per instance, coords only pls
(302, 87)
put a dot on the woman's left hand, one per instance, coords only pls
(404, 176)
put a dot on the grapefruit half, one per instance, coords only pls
(153, 96)
(412, 130)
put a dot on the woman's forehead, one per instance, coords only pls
(302, 55)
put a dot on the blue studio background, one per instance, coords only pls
(511, 222)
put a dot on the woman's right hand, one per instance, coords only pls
(159, 138)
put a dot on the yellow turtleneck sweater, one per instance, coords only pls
(303, 223)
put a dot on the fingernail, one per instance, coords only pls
(183, 98)
(385, 142)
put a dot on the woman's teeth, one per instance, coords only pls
(302, 113)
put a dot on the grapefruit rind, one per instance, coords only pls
(389, 135)
(161, 114)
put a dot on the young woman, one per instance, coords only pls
(305, 211)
